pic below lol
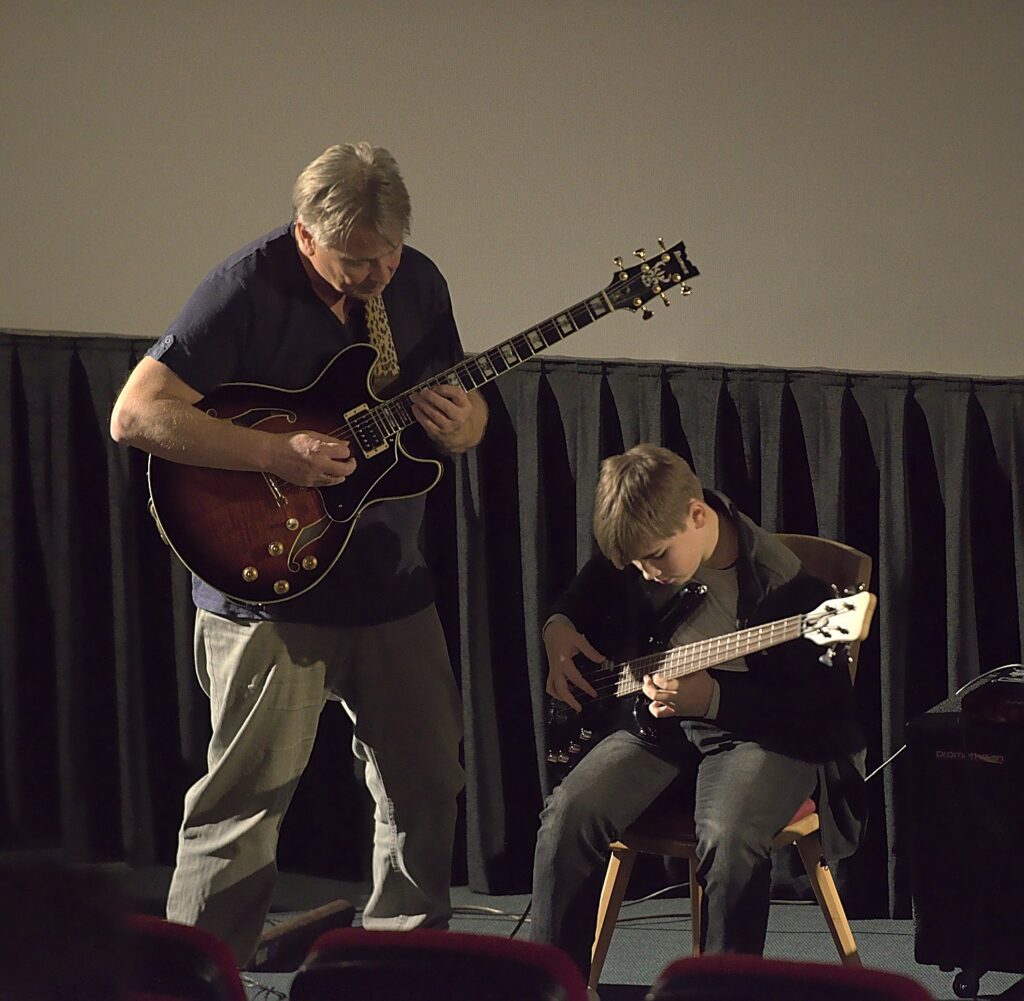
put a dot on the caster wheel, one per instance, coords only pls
(965, 984)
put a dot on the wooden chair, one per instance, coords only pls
(666, 828)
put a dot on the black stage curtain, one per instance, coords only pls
(104, 726)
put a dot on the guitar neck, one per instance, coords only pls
(702, 654)
(396, 414)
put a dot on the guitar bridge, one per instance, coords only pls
(368, 434)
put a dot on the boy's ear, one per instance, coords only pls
(698, 513)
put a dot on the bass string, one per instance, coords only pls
(626, 677)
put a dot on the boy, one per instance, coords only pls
(758, 735)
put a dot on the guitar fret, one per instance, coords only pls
(477, 373)
(508, 354)
(565, 324)
(497, 359)
(537, 343)
(465, 378)
(388, 419)
(549, 332)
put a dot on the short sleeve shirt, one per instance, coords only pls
(255, 318)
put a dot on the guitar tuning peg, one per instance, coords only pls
(665, 299)
(661, 243)
(641, 253)
(685, 290)
(618, 262)
(646, 314)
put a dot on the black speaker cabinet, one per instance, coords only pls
(967, 842)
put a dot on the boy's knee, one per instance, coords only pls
(733, 838)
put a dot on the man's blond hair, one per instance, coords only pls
(352, 185)
(642, 497)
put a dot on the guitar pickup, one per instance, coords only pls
(367, 432)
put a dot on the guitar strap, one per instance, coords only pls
(385, 369)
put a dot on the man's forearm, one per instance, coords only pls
(175, 430)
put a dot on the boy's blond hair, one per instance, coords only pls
(642, 497)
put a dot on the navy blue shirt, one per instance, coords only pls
(255, 318)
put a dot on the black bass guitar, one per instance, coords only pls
(570, 734)
(840, 620)
(259, 539)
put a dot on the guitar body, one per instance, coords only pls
(257, 538)
(571, 735)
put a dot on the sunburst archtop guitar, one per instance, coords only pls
(259, 539)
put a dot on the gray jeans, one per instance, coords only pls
(267, 683)
(743, 796)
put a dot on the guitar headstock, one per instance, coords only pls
(844, 619)
(633, 287)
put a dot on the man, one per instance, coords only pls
(275, 313)
(759, 736)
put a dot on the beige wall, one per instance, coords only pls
(846, 175)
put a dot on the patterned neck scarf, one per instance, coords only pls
(385, 370)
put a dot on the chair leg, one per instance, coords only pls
(828, 899)
(696, 904)
(616, 879)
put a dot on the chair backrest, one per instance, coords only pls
(751, 978)
(432, 965)
(835, 563)
(175, 962)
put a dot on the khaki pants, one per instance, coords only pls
(267, 683)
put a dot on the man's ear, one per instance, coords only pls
(305, 238)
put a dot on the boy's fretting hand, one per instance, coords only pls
(562, 643)
(689, 696)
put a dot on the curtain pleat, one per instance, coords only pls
(103, 727)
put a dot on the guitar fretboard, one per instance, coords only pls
(394, 415)
(693, 657)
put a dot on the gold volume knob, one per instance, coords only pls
(309, 562)
(275, 549)
(249, 574)
(292, 524)
(281, 587)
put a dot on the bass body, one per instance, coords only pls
(570, 735)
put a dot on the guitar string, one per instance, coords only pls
(365, 419)
(521, 350)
